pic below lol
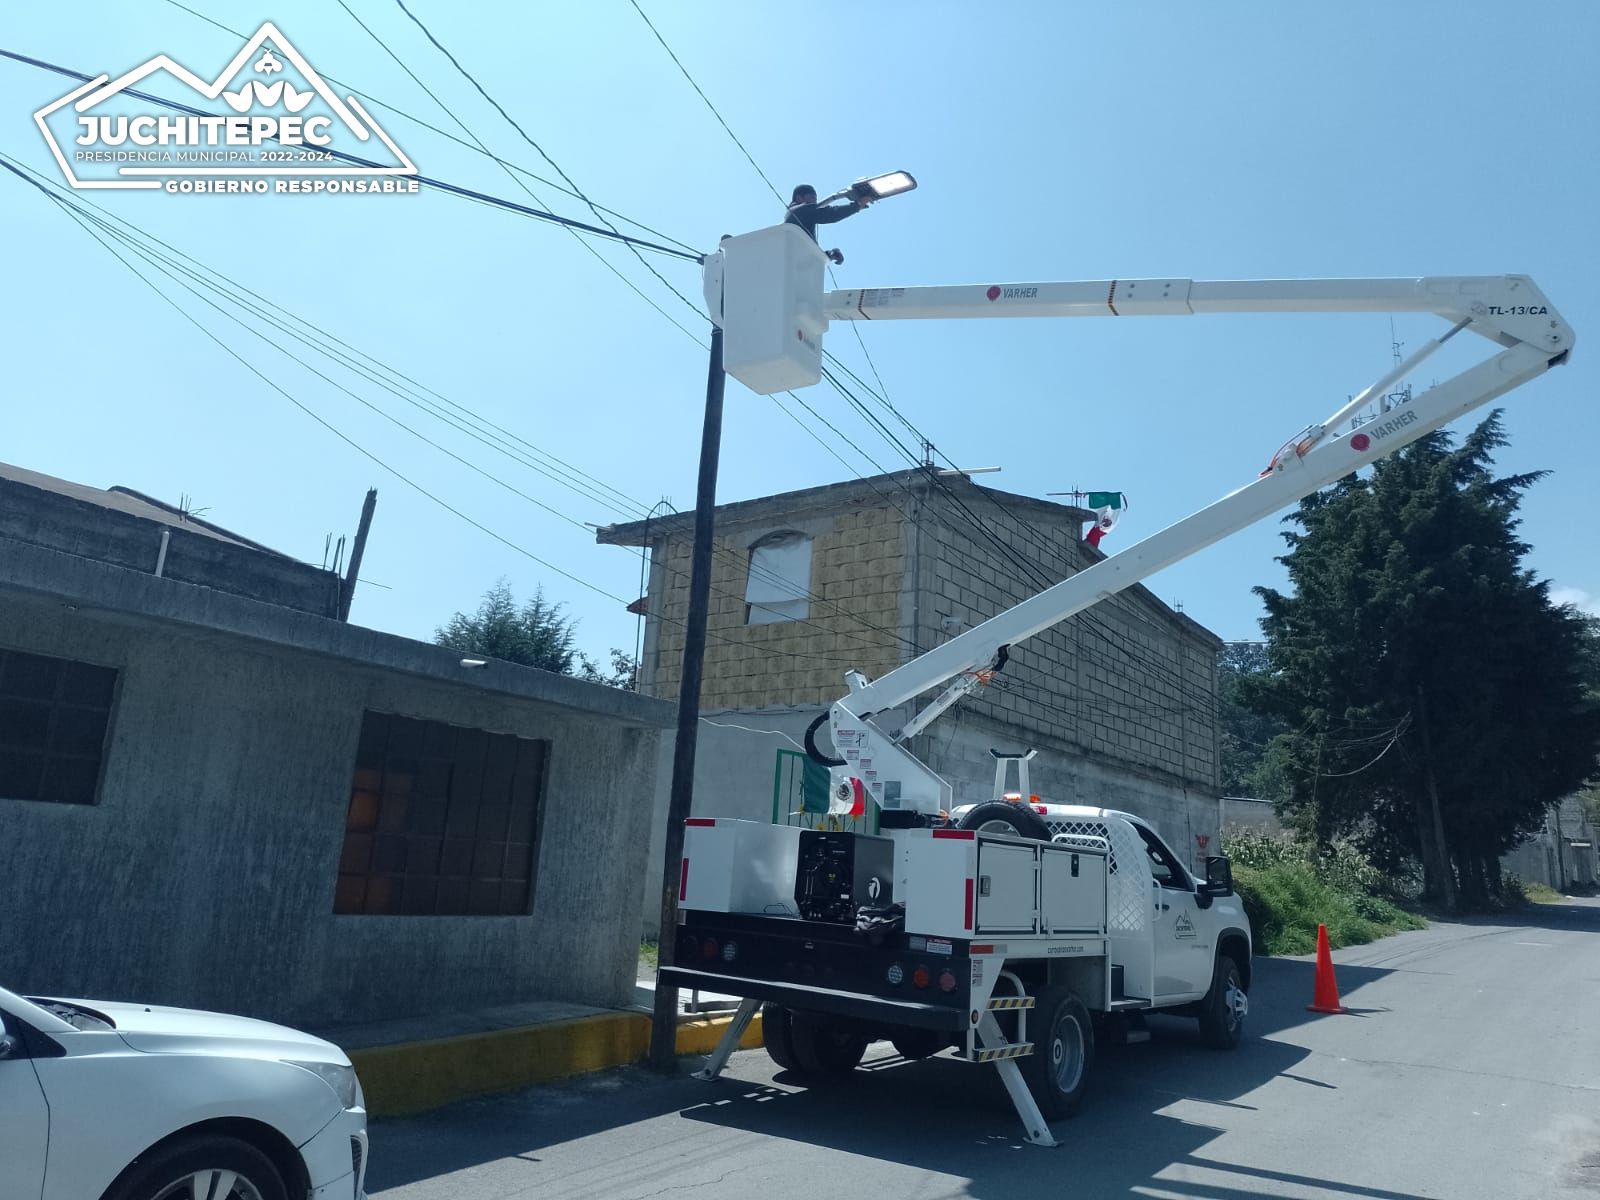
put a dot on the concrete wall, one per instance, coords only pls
(1256, 816)
(1565, 854)
(81, 527)
(204, 876)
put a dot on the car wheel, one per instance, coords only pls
(1001, 816)
(1223, 1010)
(777, 1032)
(822, 1048)
(201, 1168)
(1058, 1069)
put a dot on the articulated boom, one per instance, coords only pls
(1508, 310)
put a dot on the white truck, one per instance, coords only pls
(1007, 933)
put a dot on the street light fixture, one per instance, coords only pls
(881, 187)
(876, 187)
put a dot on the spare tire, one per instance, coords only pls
(1001, 816)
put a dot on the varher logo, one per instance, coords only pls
(268, 122)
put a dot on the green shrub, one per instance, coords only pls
(1259, 851)
(1288, 900)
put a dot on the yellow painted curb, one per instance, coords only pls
(415, 1077)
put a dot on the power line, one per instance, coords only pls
(448, 111)
(748, 157)
(612, 233)
(1205, 701)
(88, 226)
(777, 195)
(470, 78)
(314, 343)
(445, 133)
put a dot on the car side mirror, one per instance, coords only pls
(10, 1047)
(1219, 877)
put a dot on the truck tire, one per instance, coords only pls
(1001, 816)
(1221, 1018)
(778, 1036)
(822, 1048)
(1063, 1050)
(918, 1043)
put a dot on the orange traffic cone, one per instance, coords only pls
(1325, 993)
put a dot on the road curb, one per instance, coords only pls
(414, 1077)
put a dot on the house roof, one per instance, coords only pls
(130, 502)
(881, 489)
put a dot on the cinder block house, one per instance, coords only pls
(217, 793)
(1120, 701)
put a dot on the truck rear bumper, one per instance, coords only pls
(807, 997)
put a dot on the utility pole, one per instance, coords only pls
(1447, 879)
(348, 590)
(664, 1021)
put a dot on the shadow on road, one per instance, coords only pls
(938, 1115)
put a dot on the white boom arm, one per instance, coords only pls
(1508, 309)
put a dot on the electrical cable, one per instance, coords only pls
(367, 374)
(613, 234)
(445, 133)
(448, 111)
(88, 223)
(482, 91)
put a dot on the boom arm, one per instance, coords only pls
(1509, 310)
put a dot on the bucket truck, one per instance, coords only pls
(992, 932)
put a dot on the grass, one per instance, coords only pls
(1539, 893)
(649, 953)
(1287, 900)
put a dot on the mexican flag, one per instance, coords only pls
(1107, 508)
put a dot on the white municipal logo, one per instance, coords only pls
(268, 122)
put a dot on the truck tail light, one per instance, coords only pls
(897, 974)
(947, 981)
(920, 977)
(708, 948)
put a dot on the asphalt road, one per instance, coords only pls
(1470, 1068)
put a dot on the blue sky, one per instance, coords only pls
(1052, 141)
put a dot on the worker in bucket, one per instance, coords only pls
(805, 212)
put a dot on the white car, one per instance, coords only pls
(102, 1101)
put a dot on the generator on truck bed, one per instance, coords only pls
(1006, 933)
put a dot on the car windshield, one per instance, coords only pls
(75, 1015)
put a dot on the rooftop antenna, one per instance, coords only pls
(1402, 394)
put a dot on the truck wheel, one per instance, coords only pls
(918, 1043)
(821, 1048)
(1223, 1010)
(1001, 816)
(1063, 1050)
(777, 1033)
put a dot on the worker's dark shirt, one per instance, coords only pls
(809, 216)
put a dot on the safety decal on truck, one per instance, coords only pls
(1183, 928)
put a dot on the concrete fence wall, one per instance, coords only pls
(204, 875)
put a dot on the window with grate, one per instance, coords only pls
(53, 718)
(443, 820)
